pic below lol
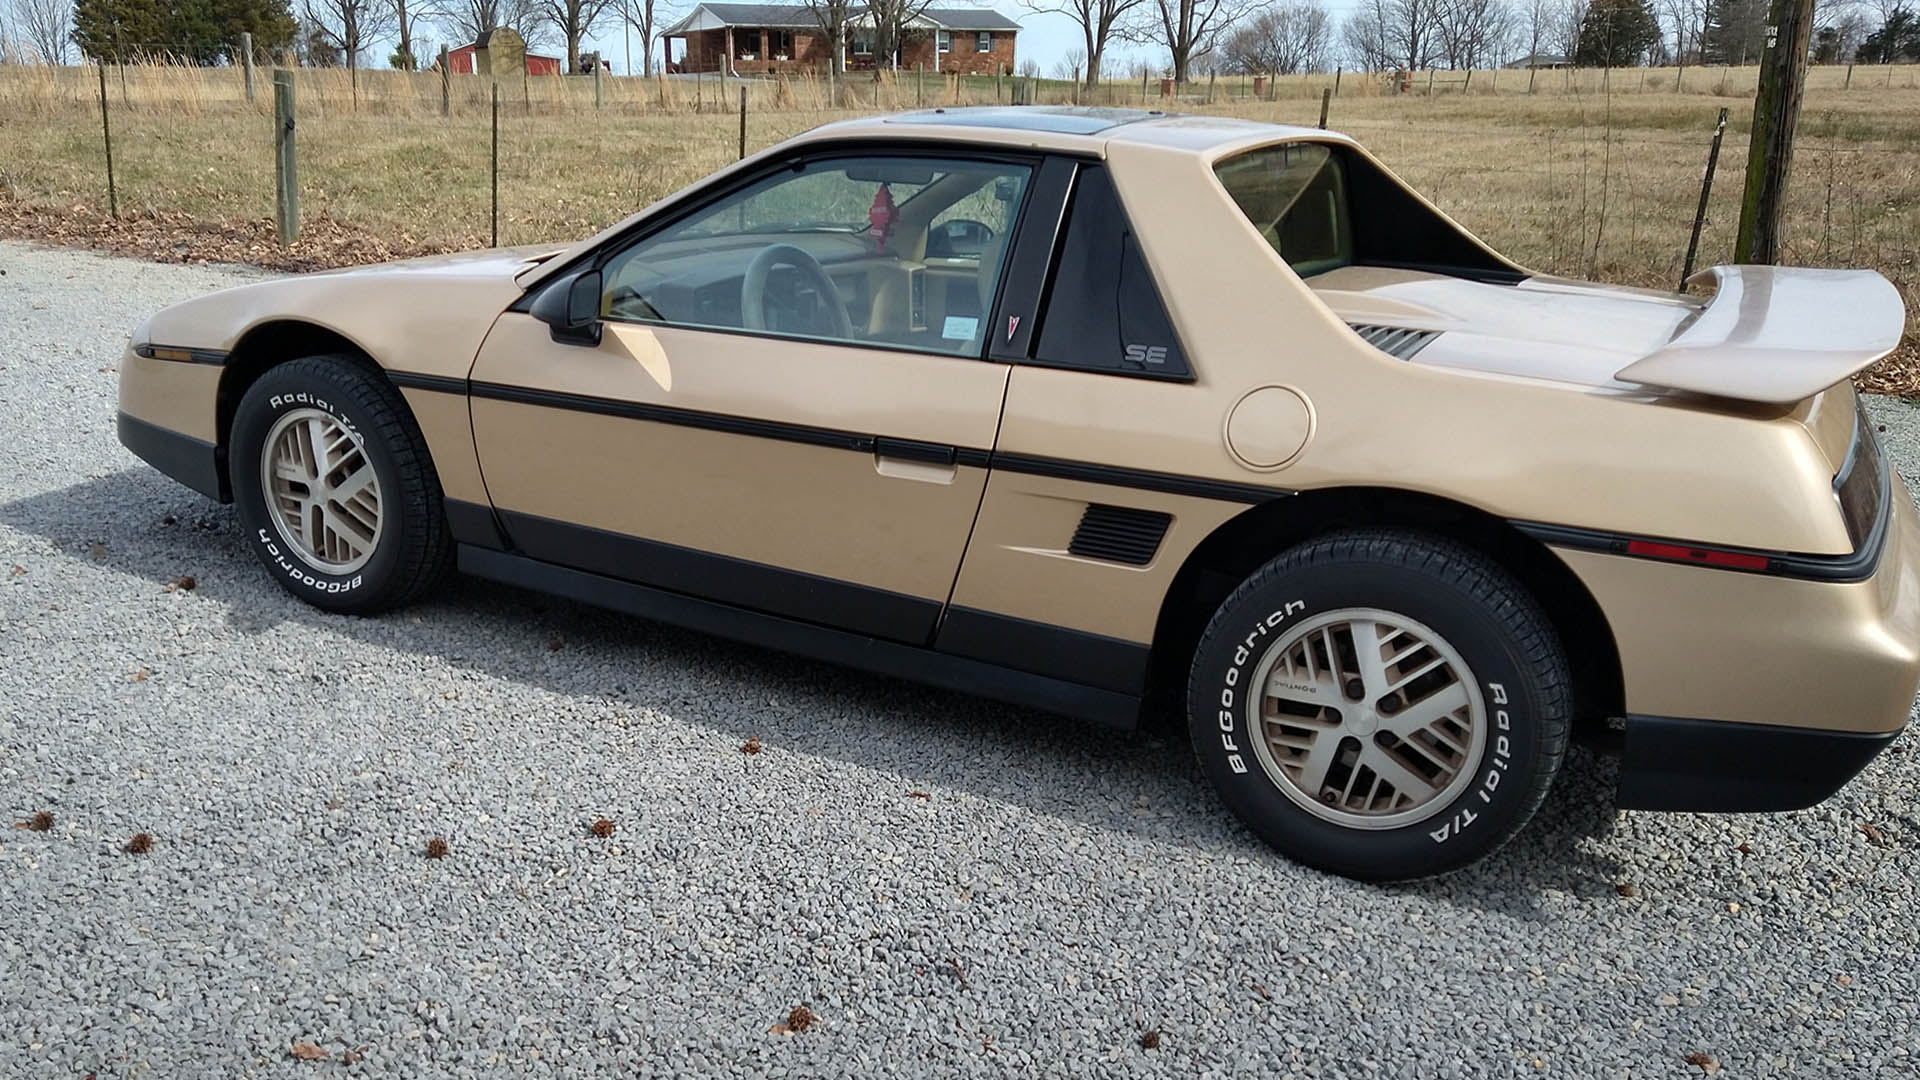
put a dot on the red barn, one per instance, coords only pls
(500, 51)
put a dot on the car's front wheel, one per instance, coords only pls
(335, 488)
(1381, 705)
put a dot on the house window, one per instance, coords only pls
(780, 44)
(945, 40)
(983, 41)
(863, 44)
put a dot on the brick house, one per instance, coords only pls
(765, 39)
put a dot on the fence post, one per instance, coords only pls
(1849, 84)
(600, 94)
(106, 136)
(1143, 86)
(246, 64)
(1468, 85)
(495, 167)
(286, 177)
(446, 84)
(1429, 82)
(919, 88)
(997, 70)
(1532, 71)
(1326, 99)
(1337, 72)
(1493, 84)
(743, 120)
(1706, 188)
(1211, 75)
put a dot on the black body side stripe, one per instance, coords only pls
(408, 380)
(1856, 566)
(1142, 479)
(179, 355)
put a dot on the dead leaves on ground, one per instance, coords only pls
(437, 848)
(140, 844)
(1873, 834)
(603, 828)
(1706, 1063)
(307, 1051)
(798, 1020)
(40, 822)
(183, 583)
(751, 746)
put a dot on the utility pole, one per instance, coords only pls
(1776, 110)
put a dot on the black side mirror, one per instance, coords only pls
(570, 306)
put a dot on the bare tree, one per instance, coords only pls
(644, 16)
(573, 20)
(890, 19)
(46, 26)
(832, 16)
(1284, 40)
(1069, 64)
(469, 20)
(406, 15)
(1386, 34)
(1099, 22)
(1189, 29)
(1473, 33)
(349, 26)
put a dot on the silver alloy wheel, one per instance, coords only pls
(1366, 718)
(321, 491)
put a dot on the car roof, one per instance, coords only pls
(1085, 129)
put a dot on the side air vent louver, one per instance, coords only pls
(1118, 534)
(1395, 341)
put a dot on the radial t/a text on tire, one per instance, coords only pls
(334, 486)
(1379, 704)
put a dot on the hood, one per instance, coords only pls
(1772, 335)
(484, 263)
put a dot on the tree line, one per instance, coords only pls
(1189, 37)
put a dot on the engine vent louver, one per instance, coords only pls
(1119, 534)
(1396, 341)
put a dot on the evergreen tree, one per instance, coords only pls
(1616, 33)
(1896, 42)
(1736, 32)
(190, 31)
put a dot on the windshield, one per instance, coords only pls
(1296, 195)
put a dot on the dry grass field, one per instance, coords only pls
(1589, 174)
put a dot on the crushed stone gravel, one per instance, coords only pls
(949, 887)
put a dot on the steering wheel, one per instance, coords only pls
(753, 288)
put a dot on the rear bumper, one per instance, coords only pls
(184, 458)
(1712, 766)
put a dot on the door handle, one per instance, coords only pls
(911, 450)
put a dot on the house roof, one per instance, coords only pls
(1540, 60)
(716, 16)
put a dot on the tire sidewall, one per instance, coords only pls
(276, 394)
(1507, 775)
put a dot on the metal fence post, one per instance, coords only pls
(1706, 188)
(106, 136)
(495, 167)
(446, 84)
(743, 120)
(286, 177)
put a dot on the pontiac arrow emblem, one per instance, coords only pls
(1013, 323)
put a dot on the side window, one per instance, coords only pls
(983, 41)
(1103, 311)
(1296, 195)
(833, 249)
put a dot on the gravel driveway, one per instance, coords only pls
(952, 887)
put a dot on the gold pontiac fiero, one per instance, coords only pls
(1090, 410)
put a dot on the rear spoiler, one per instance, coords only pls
(1777, 334)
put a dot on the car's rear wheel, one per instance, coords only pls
(335, 487)
(1381, 705)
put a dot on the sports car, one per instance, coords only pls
(1104, 412)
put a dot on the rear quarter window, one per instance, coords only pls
(1295, 195)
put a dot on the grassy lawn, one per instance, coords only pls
(1589, 175)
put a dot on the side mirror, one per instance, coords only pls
(570, 306)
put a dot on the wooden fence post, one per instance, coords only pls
(1211, 75)
(920, 89)
(599, 91)
(246, 64)
(286, 176)
(495, 166)
(106, 136)
(446, 84)
(1429, 82)
(1468, 85)
(1532, 70)
(1326, 99)
(1706, 188)
(1337, 72)
(998, 69)
(743, 120)
(1849, 84)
